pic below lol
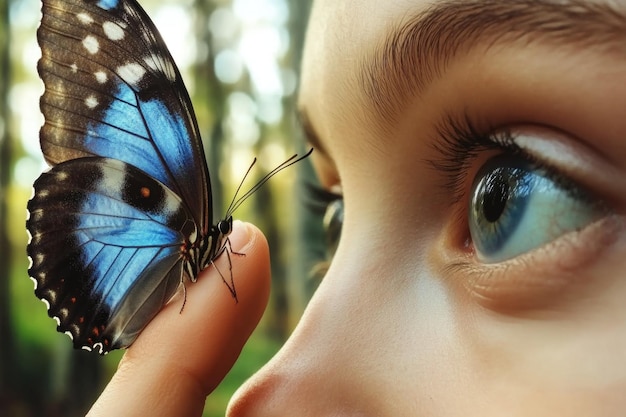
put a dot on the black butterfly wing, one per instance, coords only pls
(113, 90)
(105, 249)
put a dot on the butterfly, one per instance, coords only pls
(124, 214)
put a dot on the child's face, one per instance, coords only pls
(505, 118)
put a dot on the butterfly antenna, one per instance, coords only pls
(237, 202)
(233, 202)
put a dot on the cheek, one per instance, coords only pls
(390, 333)
(379, 338)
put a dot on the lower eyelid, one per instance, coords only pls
(542, 277)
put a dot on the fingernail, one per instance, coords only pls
(240, 236)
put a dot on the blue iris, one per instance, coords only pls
(517, 206)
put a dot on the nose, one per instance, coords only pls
(296, 382)
(314, 374)
(359, 349)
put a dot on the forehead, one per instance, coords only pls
(344, 71)
(339, 34)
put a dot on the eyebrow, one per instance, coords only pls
(417, 51)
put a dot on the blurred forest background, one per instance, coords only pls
(239, 59)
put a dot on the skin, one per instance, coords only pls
(409, 320)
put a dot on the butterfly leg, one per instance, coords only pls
(182, 282)
(230, 249)
(231, 286)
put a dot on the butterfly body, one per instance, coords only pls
(124, 214)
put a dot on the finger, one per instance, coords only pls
(180, 357)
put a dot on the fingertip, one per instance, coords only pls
(212, 320)
(254, 266)
(247, 235)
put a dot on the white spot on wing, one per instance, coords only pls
(84, 18)
(91, 44)
(151, 62)
(57, 320)
(171, 205)
(74, 68)
(132, 73)
(101, 77)
(159, 64)
(46, 303)
(87, 348)
(113, 31)
(98, 346)
(52, 296)
(91, 102)
(147, 37)
(113, 178)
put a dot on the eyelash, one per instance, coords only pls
(460, 143)
(318, 198)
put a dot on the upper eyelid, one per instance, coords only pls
(458, 144)
(575, 160)
(322, 194)
(569, 162)
(310, 133)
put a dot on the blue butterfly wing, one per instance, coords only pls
(125, 210)
(113, 90)
(105, 249)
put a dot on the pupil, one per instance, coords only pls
(495, 196)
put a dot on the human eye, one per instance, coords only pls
(328, 204)
(525, 225)
(514, 201)
(325, 201)
(517, 205)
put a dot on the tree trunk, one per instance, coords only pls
(7, 361)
